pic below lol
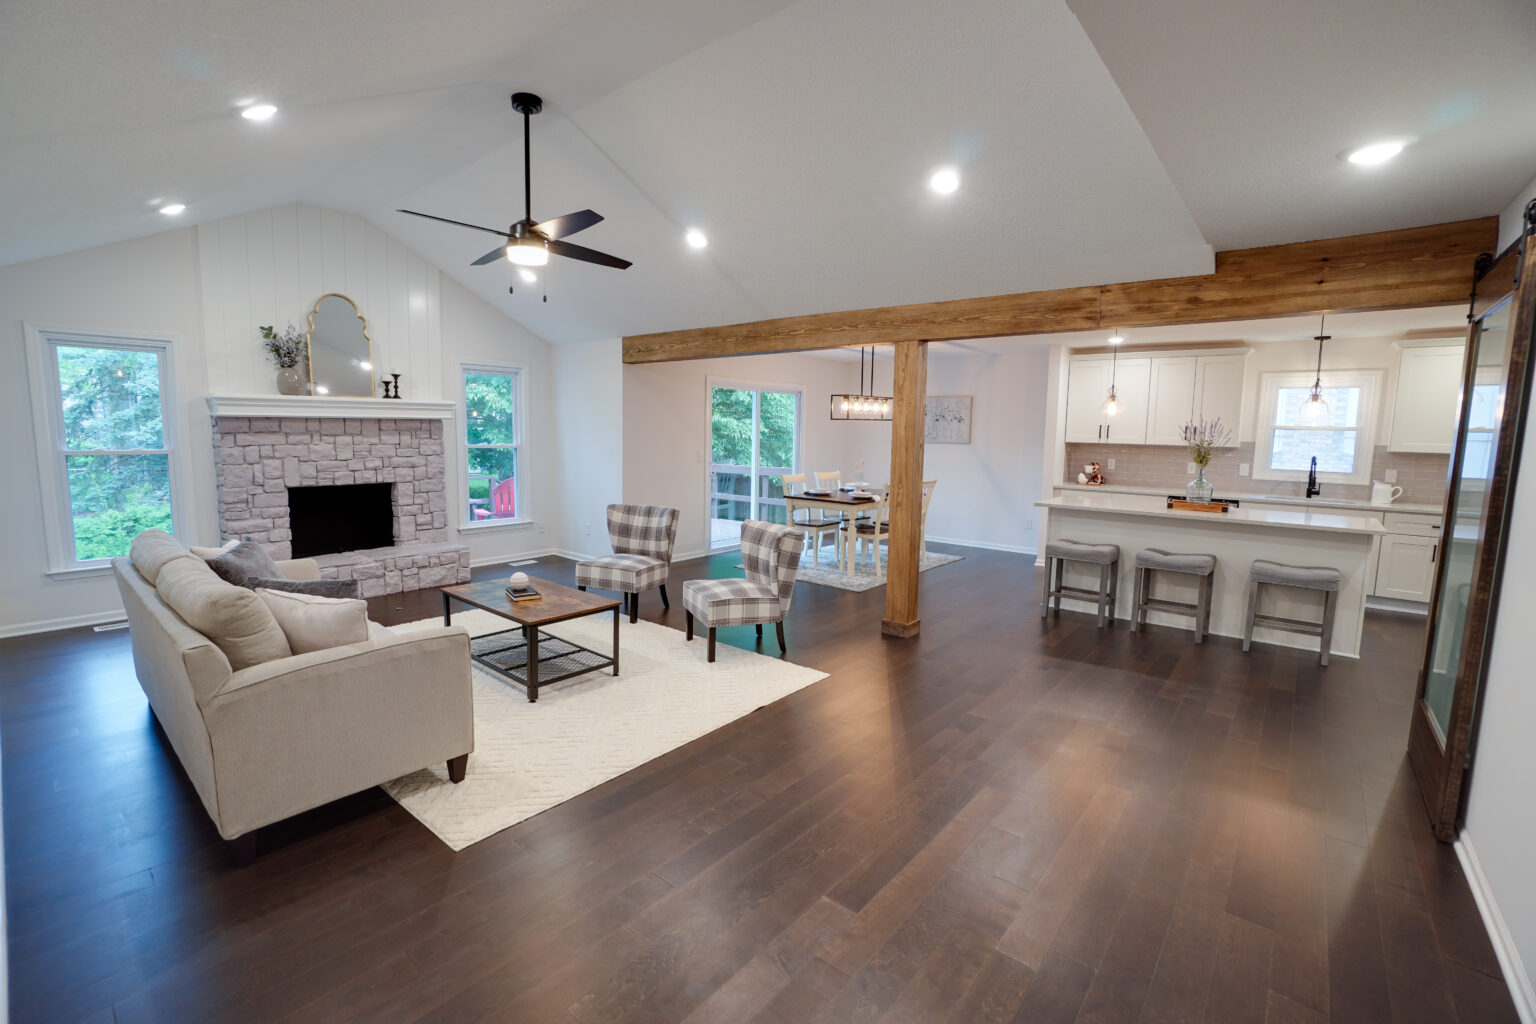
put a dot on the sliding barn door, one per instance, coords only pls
(1496, 381)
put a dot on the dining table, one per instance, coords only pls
(843, 501)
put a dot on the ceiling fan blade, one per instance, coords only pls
(564, 227)
(491, 257)
(460, 223)
(581, 252)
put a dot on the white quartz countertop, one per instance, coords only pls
(1341, 503)
(1283, 519)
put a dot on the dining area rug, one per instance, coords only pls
(590, 728)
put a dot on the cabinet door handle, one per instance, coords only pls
(1106, 431)
(1101, 431)
(1434, 550)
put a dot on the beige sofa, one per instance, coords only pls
(273, 739)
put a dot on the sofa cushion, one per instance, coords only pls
(245, 562)
(206, 553)
(313, 623)
(232, 617)
(344, 588)
(151, 550)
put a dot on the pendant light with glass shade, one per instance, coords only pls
(1112, 405)
(1315, 408)
(863, 406)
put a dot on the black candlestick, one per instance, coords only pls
(397, 385)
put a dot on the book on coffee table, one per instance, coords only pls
(528, 593)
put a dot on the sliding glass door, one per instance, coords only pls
(754, 439)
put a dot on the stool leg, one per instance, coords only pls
(1114, 590)
(1061, 574)
(1045, 587)
(1253, 607)
(1103, 591)
(1202, 607)
(1137, 598)
(1330, 604)
(1210, 596)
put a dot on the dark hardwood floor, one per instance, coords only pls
(1000, 820)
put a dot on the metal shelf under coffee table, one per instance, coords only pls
(521, 654)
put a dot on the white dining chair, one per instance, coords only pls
(814, 523)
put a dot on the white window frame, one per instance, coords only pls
(48, 434)
(519, 376)
(1368, 381)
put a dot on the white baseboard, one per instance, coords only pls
(1016, 549)
(1498, 932)
(480, 563)
(67, 622)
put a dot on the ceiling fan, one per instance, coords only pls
(529, 244)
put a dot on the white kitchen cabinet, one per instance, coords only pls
(1405, 570)
(1170, 398)
(1428, 389)
(1088, 383)
(1219, 389)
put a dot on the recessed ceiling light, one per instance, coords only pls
(258, 112)
(172, 209)
(1376, 154)
(696, 238)
(527, 275)
(944, 180)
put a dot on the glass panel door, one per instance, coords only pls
(754, 440)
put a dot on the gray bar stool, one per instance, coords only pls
(1059, 553)
(1156, 560)
(1300, 577)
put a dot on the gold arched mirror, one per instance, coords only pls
(340, 351)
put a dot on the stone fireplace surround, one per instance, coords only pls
(258, 458)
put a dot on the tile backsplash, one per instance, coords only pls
(1422, 477)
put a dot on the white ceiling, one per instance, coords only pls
(798, 135)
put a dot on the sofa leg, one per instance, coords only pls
(242, 849)
(457, 766)
(711, 643)
(783, 647)
(665, 604)
(688, 616)
(634, 607)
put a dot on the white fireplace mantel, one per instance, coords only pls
(327, 408)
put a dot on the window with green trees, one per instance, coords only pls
(492, 442)
(111, 442)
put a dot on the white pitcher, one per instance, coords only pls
(1384, 494)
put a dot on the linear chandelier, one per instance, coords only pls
(863, 406)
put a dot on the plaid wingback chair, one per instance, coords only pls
(642, 538)
(770, 554)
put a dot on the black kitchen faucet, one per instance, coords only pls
(1313, 488)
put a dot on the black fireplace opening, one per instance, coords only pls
(341, 517)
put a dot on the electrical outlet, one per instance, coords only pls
(588, 530)
(1391, 476)
(1189, 467)
(541, 527)
(1029, 524)
(1242, 469)
(1111, 463)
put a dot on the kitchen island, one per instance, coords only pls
(1236, 538)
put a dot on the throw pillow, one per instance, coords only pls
(317, 588)
(233, 618)
(244, 562)
(317, 623)
(207, 553)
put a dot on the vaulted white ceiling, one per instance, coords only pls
(798, 136)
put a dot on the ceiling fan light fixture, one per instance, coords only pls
(528, 252)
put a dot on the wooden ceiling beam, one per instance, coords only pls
(1410, 267)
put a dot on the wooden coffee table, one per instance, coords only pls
(517, 654)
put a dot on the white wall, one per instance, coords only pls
(211, 286)
(589, 392)
(987, 489)
(148, 284)
(666, 432)
(1512, 220)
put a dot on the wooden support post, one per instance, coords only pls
(906, 538)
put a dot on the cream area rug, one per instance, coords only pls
(588, 729)
(826, 573)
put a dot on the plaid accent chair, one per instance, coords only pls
(770, 554)
(642, 538)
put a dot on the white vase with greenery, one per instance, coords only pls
(287, 350)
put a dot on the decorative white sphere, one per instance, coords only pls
(519, 580)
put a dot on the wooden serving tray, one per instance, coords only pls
(1197, 506)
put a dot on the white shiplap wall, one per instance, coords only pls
(270, 267)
